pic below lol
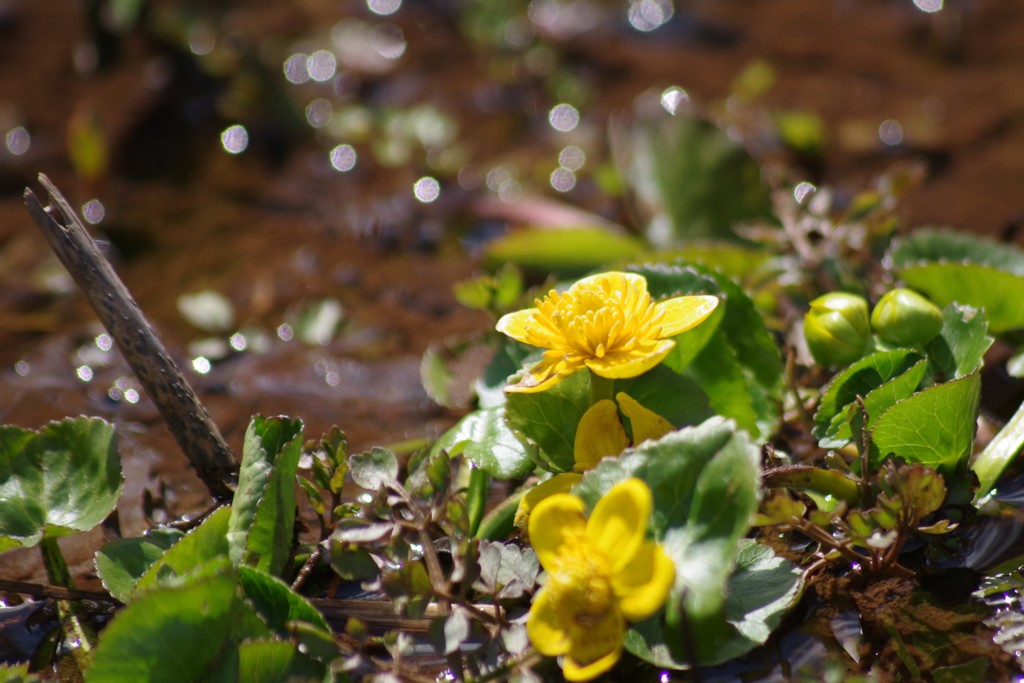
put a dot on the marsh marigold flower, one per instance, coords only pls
(607, 323)
(601, 573)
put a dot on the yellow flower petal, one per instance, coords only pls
(619, 521)
(551, 370)
(545, 627)
(646, 424)
(683, 313)
(517, 325)
(599, 433)
(630, 364)
(643, 585)
(552, 518)
(595, 648)
(560, 483)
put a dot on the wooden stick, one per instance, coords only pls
(186, 417)
(54, 592)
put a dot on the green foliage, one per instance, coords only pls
(484, 438)
(705, 482)
(693, 181)
(564, 251)
(549, 419)
(962, 342)
(121, 562)
(374, 469)
(204, 544)
(934, 427)
(954, 267)
(263, 509)
(61, 479)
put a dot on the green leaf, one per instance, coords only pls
(960, 347)
(205, 543)
(937, 244)
(262, 520)
(934, 427)
(674, 397)
(759, 593)
(121, 562)
(694, 181)
(276, 661)
(999, 453)
(61, 479)
(880, 379)
(374, 469)
(704, 481)
(549, 419)
(177, 634)
(484, 438)
(568, 252)
(276, 603)
(716, 370)
(1001, 294)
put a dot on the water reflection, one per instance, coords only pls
(384, 7)
(235, 139)
(93, 211)
(891, 132)
(647, 15)
(564, 117)
(343, 158)
(18, 141)
(426, 189)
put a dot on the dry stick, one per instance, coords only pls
(185, 416)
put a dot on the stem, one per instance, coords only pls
(307, 568)
(186, 418)
(529, 658)
(601, 388)
(71, 613)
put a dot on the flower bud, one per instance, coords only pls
(836, 328)
(905, 318)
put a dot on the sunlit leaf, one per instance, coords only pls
(564, 251)
(61, 479)
(705, 482)
(262, 521)
(693, 181)
(374, 469)
(205, 543)
(549, 419)
(121, 562)
(178, 634)
(276, 661)
(276, 603)
(484, 438)
(934, 427)
(960, 347)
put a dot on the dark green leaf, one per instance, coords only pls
(674, 397)
(374, 469)
(205, 543)
(759, 592)
(934, 427)
(936, 244)
(351, 562)
(276, 661)
(961, 345)
(484, 438)
(276, 603)
(59, 480)
(549, 419)
(121, 562)
(177, 634)
(262, 520)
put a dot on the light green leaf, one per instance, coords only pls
(178, 634)
(565, 251)
(938, 244)
(1001, 294)
(205, 543)
(484, 438)
(61, 479)
(121, 562)
(262, 520)
(207, 310)
(934, 427)
(549, 419)
(1004, 447)
(877, 401)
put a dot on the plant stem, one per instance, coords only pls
(601, 388)
(71, 614)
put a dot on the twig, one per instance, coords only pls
(185, 416)
(37, 590)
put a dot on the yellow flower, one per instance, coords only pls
(601, 573)
(607, 323)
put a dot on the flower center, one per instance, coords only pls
(580, 582)
(595, 321)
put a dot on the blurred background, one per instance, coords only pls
(290, 190)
